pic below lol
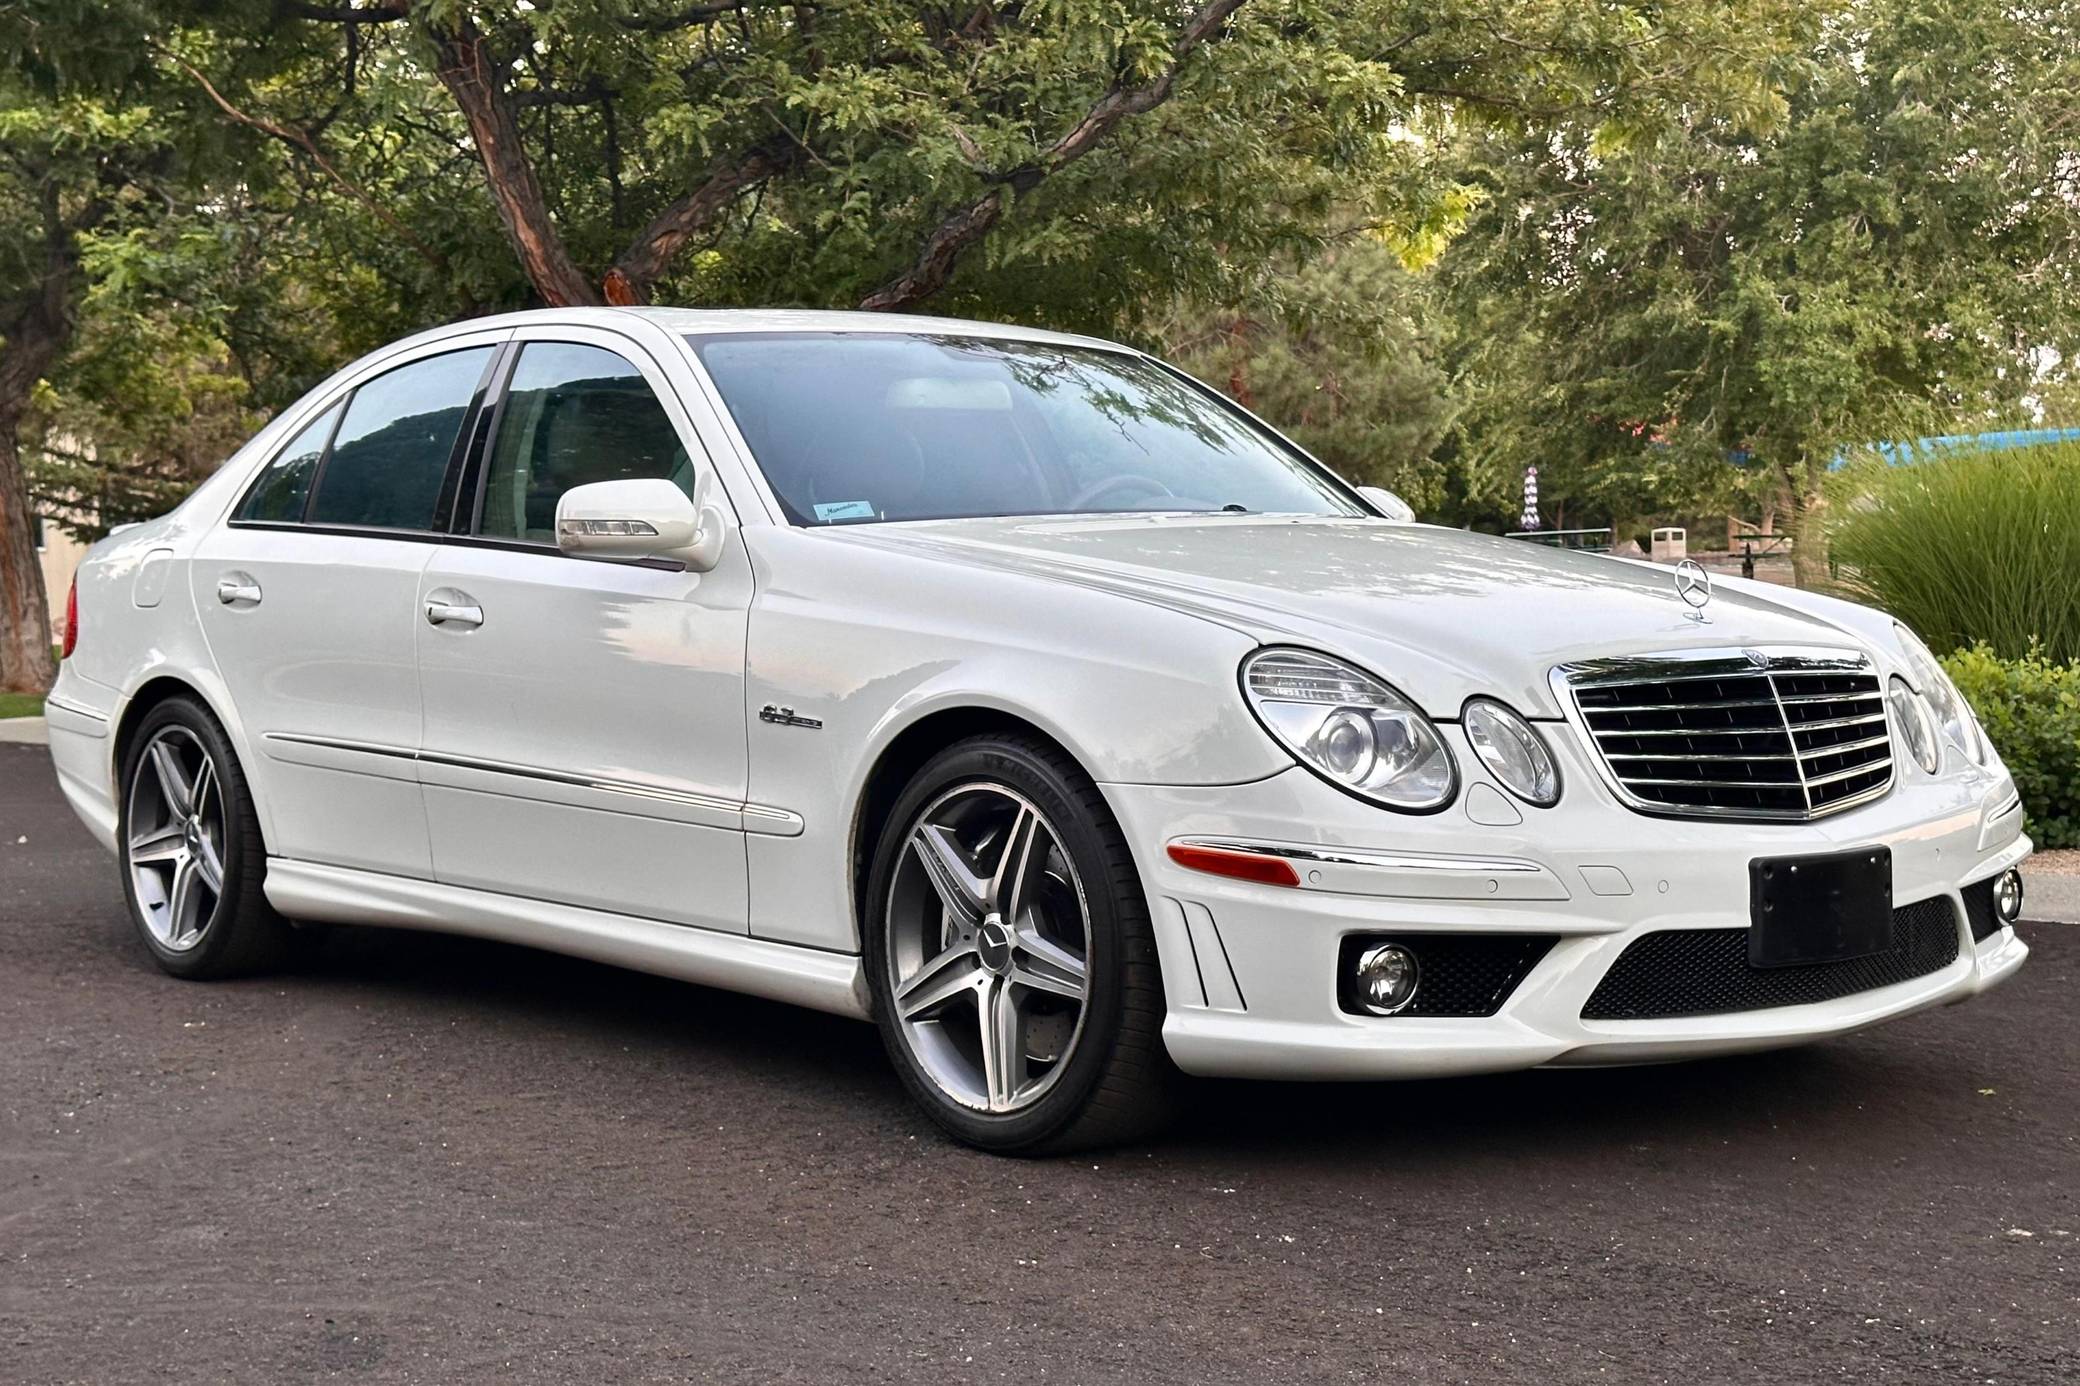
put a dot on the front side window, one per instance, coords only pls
(386, 463)
(279, 495)
(573, 415)
(877, 426)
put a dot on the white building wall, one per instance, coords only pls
(60, 554)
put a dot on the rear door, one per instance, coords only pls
(307, 596)
(585, 738)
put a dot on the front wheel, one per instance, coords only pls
(1008, 944)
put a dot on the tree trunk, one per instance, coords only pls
(25, 624)
(34, 329)
(475, 78)
(1809, 549)
(962, 230)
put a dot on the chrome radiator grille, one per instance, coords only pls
(1736, 733)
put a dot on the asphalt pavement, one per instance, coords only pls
(429, 1159)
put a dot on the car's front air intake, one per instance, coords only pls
(1688, 972)
(1784, 733)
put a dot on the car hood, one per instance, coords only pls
(1441, 613)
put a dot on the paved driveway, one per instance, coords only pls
(436, 1160)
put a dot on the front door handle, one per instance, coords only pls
(238, 589)
(453, 609)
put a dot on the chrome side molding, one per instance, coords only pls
(740, 813)
(1405, 875)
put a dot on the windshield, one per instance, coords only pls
(860, 427)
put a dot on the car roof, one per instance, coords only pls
(718, 321)
(715, 322)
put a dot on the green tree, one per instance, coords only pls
(1898, 248)
(1080, 161)
(1335, 350)
(84, 154)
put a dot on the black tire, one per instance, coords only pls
(1117, 1083)
(243, 934)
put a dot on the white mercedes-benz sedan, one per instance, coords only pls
(1018, 693)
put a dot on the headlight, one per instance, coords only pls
(1513, 751)
(1351, 729)
(1911, 714)
(1953, 714)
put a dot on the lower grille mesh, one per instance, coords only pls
(1979, 911)
(1457, 974)
(1686, 972)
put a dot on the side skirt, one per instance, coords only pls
(833, 982)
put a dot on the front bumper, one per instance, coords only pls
(1251, 970)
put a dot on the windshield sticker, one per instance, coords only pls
(845, 510)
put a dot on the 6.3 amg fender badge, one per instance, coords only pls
(787, 717)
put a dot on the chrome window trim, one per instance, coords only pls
(1714, 663)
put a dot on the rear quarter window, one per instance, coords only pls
(283, 488)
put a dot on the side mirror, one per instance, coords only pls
(1388, 504)
(643, 518)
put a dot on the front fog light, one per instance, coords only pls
(2007, 896)
(1386, 978)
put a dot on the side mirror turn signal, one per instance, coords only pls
(641, 518)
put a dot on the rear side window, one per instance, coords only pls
(573, 415)
(386, 463)
(279, 495)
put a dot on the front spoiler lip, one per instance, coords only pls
(1210, 1043)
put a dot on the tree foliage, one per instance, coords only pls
(1336, 350)
(1680, 218)
(1897, 247)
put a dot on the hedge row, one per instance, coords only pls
(2030, 708)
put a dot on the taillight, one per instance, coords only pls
(71, 621)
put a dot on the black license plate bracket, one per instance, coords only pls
(1804, 910)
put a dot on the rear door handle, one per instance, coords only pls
(453, 609)
(238, 589)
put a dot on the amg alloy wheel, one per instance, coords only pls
(989, 944)
(1009, 948)
(193, 859)
(174, 839)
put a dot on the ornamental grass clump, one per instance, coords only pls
(1975, 548)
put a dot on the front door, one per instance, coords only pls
(585, 737)
(306, 597)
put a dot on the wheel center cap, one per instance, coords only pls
(993, 944)
(192, 835)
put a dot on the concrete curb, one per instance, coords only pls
(2048, 898)
(24, 731)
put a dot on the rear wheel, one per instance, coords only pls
(193, 860)
(1010, 952)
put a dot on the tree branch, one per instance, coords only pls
(654, 248)
(383, 12)
(474, 78)
(960, 231)
(688, 16)
(306, 142)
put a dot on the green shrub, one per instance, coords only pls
(2030, 708)
(1974, 547)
